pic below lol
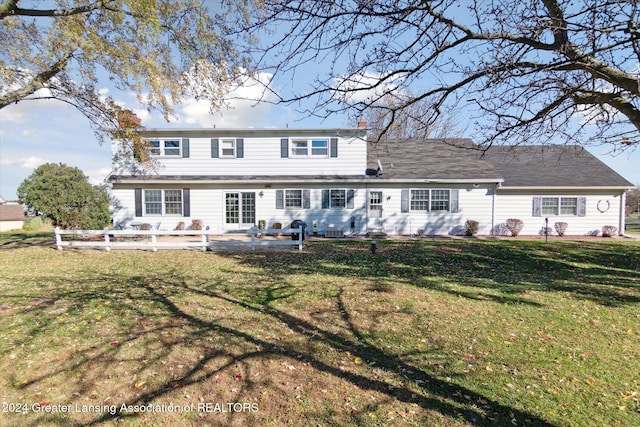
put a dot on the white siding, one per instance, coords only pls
(208, 205)
(474, 203)
(261, 157)
(517, 205)
(11, 225)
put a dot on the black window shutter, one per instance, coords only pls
(185, 147)
(279, 199)
(454, 208)
(240, 148)
(334, 147)
(537, 206)
(404, 201)
(350, 194)
(214, 148)
(325, 199)
(186, 202)
(582, 206)
(306, 199)
(284, 148)
(138, 194)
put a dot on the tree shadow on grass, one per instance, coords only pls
(161, 321)
(229, 328)
(605, 273)
(447, 398)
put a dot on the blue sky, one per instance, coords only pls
(36, 132)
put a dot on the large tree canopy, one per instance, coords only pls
(533, 70)
(154, 48)
(63, 194)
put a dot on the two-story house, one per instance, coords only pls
(231, 179)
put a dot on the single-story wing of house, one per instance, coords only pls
(340, 184)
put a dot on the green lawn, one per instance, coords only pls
(430, 332)
(633, 225)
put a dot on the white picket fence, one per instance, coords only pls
(148, 239)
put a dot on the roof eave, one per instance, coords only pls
(566, 187)
(206, 132)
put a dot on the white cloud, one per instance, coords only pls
(242, 106)
(364, 87)
(31, 162)
(6, 162)
(97, 176)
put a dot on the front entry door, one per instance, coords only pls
(240, 209)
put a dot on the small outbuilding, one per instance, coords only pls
(12, 216)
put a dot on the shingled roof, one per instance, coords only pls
(551, 166)
(517, 166)
(11, 212)
(430, 159)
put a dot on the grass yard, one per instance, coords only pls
(437, 332)
(632, 225)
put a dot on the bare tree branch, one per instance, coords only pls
(524, 71)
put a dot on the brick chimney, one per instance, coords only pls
(362, 124)
(128, 119)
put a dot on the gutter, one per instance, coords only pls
(269, 132)
(305, 180)
(549, 187)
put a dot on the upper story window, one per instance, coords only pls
(227, 148)
(319, 147)
(165, 147)
(299, 147)
(311, 147)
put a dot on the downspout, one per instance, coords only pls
(621, 220)
(493, 209)
(366, 208)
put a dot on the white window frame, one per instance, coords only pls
(413, 199)
(558, 206)
(285, 201)
(163, 202)
(331, 205)
(429, 201)
(161, 149)
(234, 148)
(433, 200)
(304, 148)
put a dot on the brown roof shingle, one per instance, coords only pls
(11, 213)
(551, 166)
